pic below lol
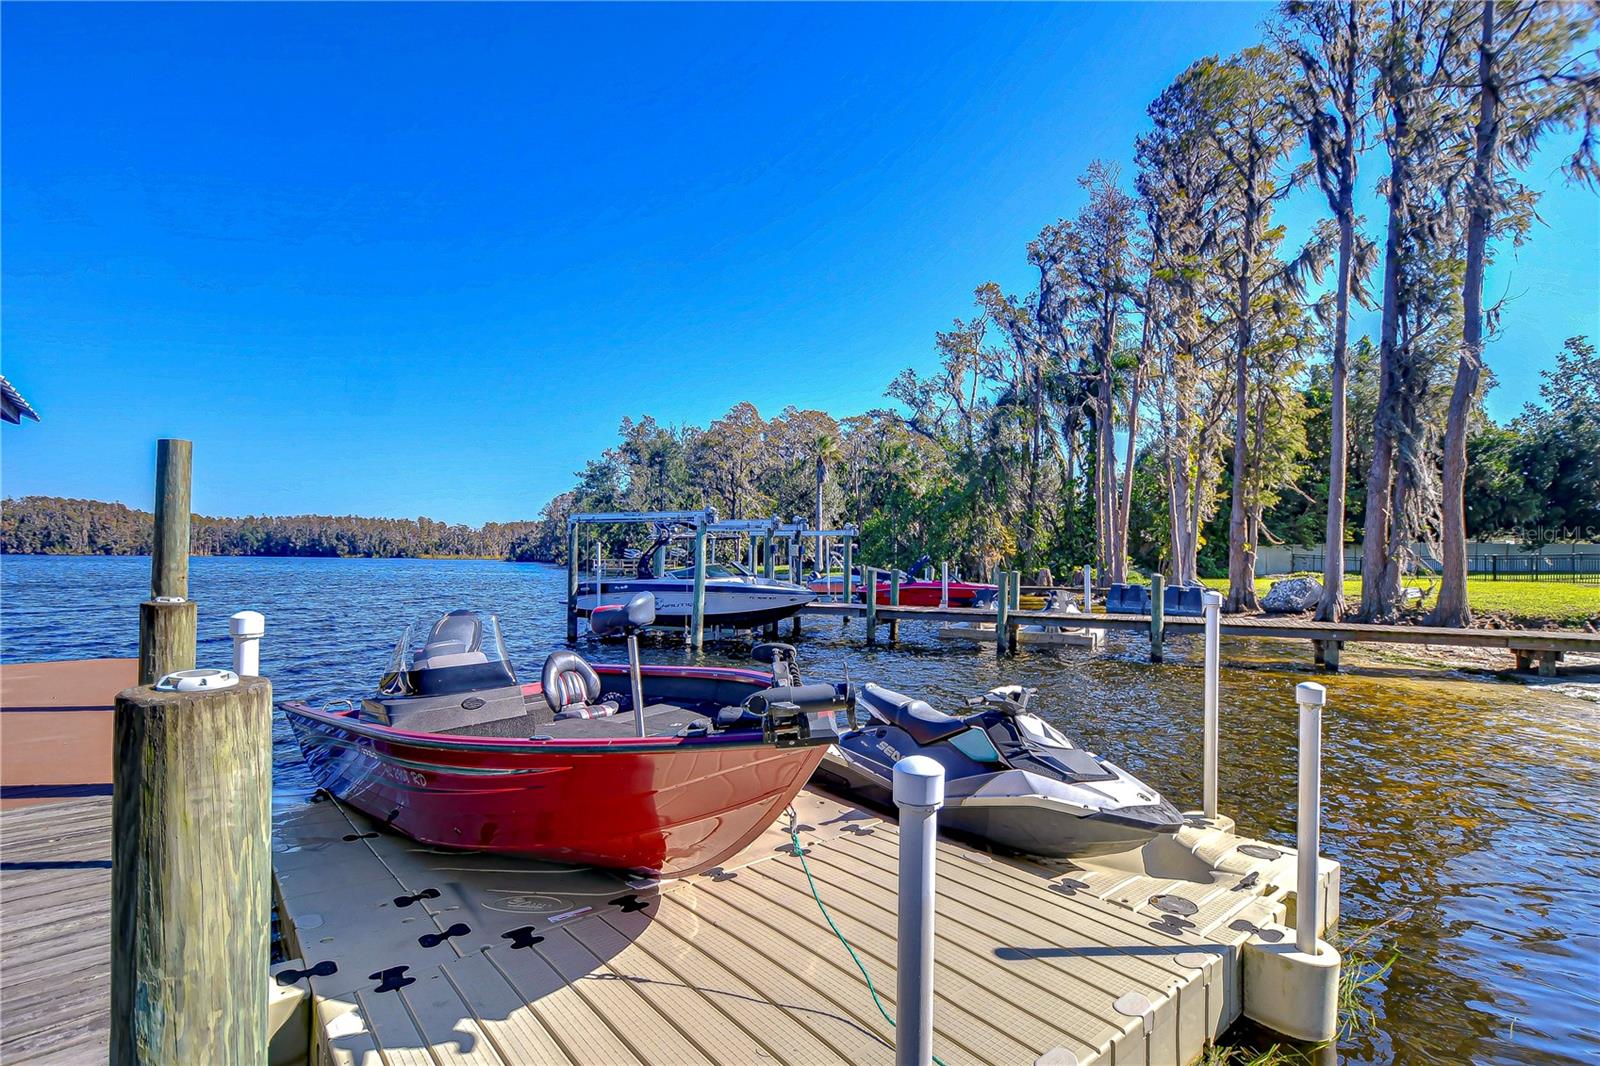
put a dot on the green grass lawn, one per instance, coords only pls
(1534, 603)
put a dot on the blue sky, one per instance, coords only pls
(422, 259)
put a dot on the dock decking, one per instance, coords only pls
(55, 929)
(418, 956)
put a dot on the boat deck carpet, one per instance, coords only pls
(661, 720)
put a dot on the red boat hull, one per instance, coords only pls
(666, 805)
(912, 593)
(928, 593)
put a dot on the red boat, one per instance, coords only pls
(929, 593)
(912, 593)
(665, 769)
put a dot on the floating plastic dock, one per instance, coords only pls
(411, 955)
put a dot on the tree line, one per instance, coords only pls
(48, 525)
(1176, 389)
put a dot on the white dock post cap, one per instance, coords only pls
(1310, 693)
(1211, 598)
(197, 680)
(918, 782)
(247, 624)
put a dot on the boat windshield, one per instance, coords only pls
(464, 652)
(713, 570)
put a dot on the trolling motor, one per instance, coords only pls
(782, 659)
(794, 716)
(628, 619)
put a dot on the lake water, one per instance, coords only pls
(1466, 812)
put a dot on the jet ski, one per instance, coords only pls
(1011, 778)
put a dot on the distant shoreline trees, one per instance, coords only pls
(940, 477)
(49, 525)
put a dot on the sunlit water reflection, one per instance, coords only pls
(1471, 807)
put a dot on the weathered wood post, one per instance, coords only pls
(697, 624)
(944, 583)
(849, 563)
(167, 619)
(1088, 589)
(796, 553)
(894, 601)
(191, 906)
(769, 569)
(572, 582)
(869, 589)
(1002, 610)
(190, 829)
(1158, 609)
(1016, 605)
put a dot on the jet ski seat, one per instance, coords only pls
(917, 717)
(572, 688)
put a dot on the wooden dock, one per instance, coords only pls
(1546, 646)
(55, 931)
(418, 956)
(55, 858)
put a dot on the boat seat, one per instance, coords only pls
(916, 717)
(430, 659)
(572, 688)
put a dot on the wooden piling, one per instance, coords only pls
(1016, 605)
(769, 568)
(1002, 611)
(572, 584)
(1326, 653)
(697, 624)
(894, 601)
(796, 552)
(167, 619)
(191, 875)
(169, 555)
(166, 638)
(869, 589)
(1157, 615)
(849, 561)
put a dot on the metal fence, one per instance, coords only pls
(1575, 568)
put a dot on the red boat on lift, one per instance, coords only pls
(924, 592)
(663, 769)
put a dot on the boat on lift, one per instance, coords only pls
(663, 769)
(928, 591)
(1011, 778)
(914, 592)
(735, 598)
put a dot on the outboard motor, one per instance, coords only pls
(628, 619)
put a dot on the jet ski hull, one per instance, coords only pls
(1025, 824)
(1014, 782)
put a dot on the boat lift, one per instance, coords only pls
(703, 524)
